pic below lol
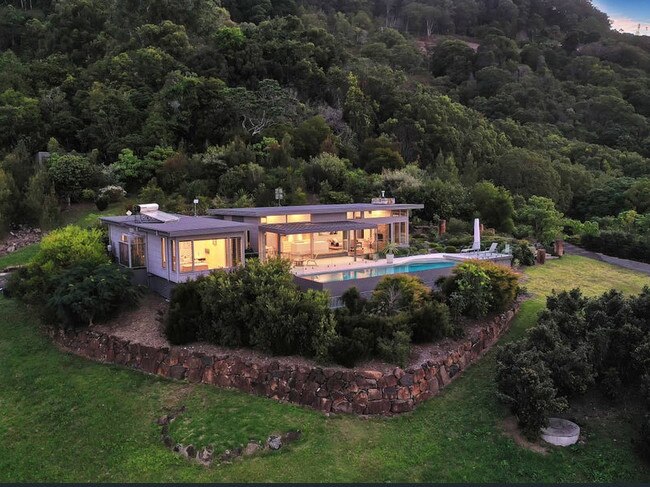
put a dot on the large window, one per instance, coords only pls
(306, 217)
(132, 251)
(377, 214)
(401, 237)
(163, 252)
(124, 250)
(137, 252)
(174, 260)
(207, 255)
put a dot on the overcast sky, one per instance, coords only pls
(627, 14)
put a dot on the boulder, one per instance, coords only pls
(371, 374)
(177, 372)
(189, 451)
(205, 456)
(402, 406)
(251, 448)
(381, 406)
(274, 442)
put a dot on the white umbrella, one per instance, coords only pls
(477, 235)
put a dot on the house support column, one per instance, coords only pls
(242, 248)
(311, 245)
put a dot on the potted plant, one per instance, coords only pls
(389, 252)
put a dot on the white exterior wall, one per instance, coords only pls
(154, 256)
(114, 233)
(254, 232)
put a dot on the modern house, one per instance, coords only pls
(316, 232)
(164, 249)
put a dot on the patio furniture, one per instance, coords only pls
(473, 248)
(491, 250)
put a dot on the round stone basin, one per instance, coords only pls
(561, 432)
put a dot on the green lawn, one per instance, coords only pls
(19, 257)
(87, 214)
(82, 214)
(67, 419)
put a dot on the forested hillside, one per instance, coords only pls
(334, 100)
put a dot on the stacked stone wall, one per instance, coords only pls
(367, 392)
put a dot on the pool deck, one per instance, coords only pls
(367, 284)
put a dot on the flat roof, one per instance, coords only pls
(308, 227)
(185, 226)
(311, 209)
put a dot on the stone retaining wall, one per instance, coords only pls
(369, 392)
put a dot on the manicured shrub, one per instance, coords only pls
(88, 292)
(468, 290)
(431, 322)
(396, 348)
(101, 203)
(353, 301)
(348, 351)
(271, 314)
(59, 250)
(523, 254)
(503, 285)
(112, 193)
(524, 383)
(295, 323)
(479, 287)
(68, 246)
(399, 292)
(577, 343)
(185, 316)
(455, 226)
(88, 195)
(450, 249)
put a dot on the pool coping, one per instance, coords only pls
(363, 264)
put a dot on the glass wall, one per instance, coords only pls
(306, 217)
(320, 245)
(131, 252)
(401, 237)
(138, 252)
(207, 255)
(377, 214)
(163, 252)
(124, 251)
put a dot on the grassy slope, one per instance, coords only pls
(83, 214)
(67, 419)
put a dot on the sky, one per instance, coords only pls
(627, 14)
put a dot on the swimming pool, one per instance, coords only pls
(365, 272)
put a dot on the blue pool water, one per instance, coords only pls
(379, 271)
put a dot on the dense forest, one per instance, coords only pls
(473, 107)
